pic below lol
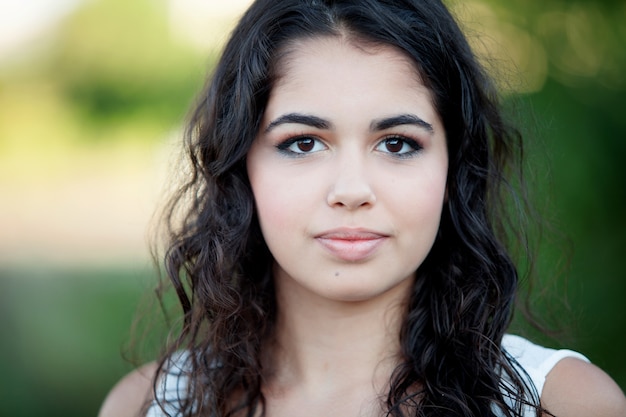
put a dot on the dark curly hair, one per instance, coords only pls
(220, 267)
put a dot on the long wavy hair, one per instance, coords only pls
(220, 267)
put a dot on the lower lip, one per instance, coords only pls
(351, 250)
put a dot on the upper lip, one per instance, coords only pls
(348, 233)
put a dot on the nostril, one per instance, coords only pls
(351, 195)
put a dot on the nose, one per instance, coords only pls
(350, 187)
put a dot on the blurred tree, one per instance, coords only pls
(117, 60)
(577, 145)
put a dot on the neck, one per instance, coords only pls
(322, 343)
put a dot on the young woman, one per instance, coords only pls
(339, 251)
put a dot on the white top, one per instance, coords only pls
(536, 362)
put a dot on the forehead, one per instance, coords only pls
(325, 50)
(336, 75)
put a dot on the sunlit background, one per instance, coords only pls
(93, 94)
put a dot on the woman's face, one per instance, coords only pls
(348, 170)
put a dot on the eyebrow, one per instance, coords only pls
(399, 120)
(376, 125)
(301, 119)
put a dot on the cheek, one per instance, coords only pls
(421, 193)
(281, 217)
(277, 201)
(419, 211)
(272, 219)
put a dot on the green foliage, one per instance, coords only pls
(112, 74)
(64, 331)
(118, 60)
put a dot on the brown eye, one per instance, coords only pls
(301, 145)
(305, 144)
(401, 147)
(394, 145)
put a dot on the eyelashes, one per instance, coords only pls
(301, 145)
(399, 146)
(394, 145)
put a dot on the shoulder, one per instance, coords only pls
(131, 394)
(566, 382)
(578, 388)
(534, 361)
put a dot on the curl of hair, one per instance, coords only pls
(220, 267)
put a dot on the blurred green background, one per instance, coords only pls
(92, 97)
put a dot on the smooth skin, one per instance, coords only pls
(349, 173)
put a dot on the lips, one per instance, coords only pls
(351, 245)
